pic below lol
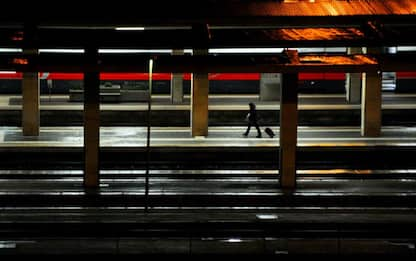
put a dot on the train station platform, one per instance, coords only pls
(174, 147)
(214, 195)
(224, 110)
(125, 137)
(217, 211)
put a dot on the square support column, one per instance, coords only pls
(371, 99)
(353, 81)
(288, 130)
(30, 104)
(199, 100)
(199, 104)
(30, 85)
(176, 83)
(371, 104)
(91, 124)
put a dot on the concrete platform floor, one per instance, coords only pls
(217, 137)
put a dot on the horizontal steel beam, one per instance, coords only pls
(178, 64)
(187, 38)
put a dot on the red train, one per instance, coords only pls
(308, 82)
(166, 76)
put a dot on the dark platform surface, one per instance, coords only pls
(224, 110)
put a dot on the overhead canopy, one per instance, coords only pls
(229, 23)
(205, 24)
(214, 12)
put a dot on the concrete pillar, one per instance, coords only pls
(199, 100)
(30, 86)
(371, 100)
(270, 84)
(353, 81)
(91, 123)
(201, 37)
(199, 104)
(176, 83)
(288, 130)
(30, 97)
(371, 105)
(30, 104)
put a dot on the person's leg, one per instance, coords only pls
(248, 129)
(258, 130)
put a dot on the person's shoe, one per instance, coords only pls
(258, 136)
(245, 134)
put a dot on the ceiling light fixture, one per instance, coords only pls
(140, 28)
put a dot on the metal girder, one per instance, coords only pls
(182, 39)
(180, 64)
(185, 37)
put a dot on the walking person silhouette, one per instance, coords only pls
(252, 120)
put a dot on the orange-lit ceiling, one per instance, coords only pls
(209, 11)
(338, 60)
(336, 7)
(318, 34)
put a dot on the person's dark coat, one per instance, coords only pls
(252, 120)
(253, 114)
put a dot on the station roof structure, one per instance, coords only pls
(208, 24)
(214, 12)
(230, 22)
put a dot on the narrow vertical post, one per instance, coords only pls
(288, 130)
(176, 83)
(91, 121)
(353, 81)
(49, 83)
(149, 124)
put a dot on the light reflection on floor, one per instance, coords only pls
(217, 137)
